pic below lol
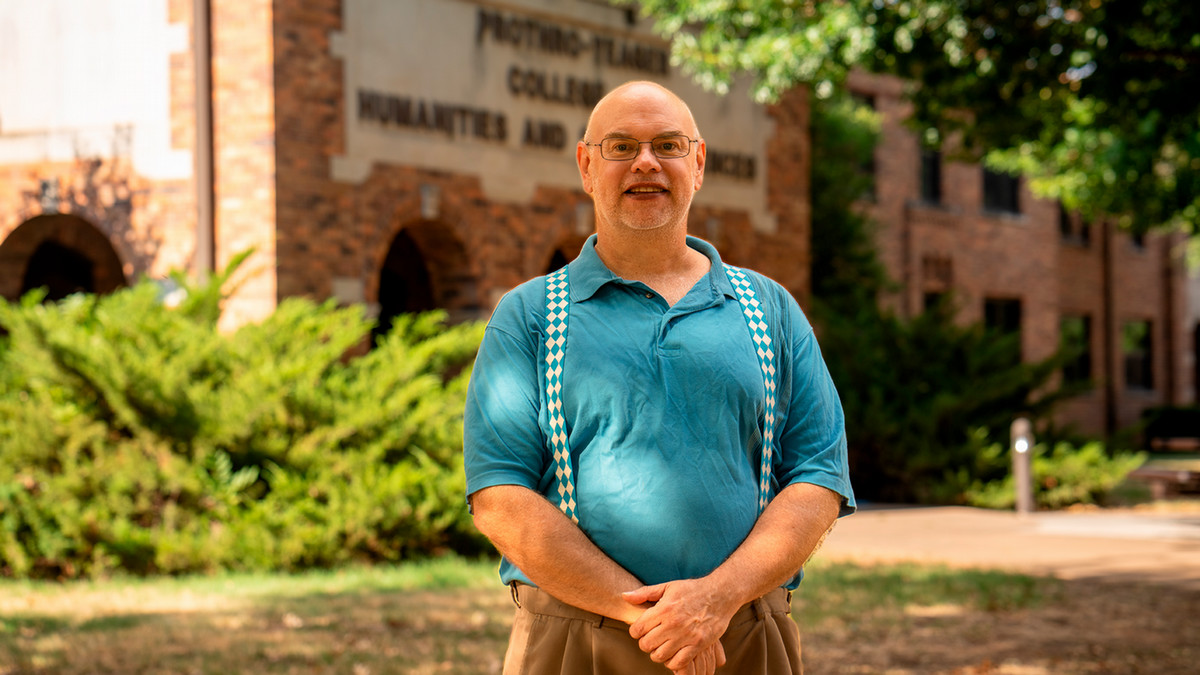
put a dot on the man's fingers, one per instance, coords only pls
(645, 594)
(682, 657)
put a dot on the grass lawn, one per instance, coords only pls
(452, 616)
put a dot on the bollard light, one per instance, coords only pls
(1022, 442)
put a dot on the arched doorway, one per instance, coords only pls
(426, 267)
(566, 250)
(61, 253)
(60, 270)
(557, 260)
(404, 285)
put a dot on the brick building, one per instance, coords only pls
(1017, 262)
(410, 154)
(406, 154)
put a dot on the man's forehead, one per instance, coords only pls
(640, 109)
(619, 116)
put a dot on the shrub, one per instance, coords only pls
(138, 437)
(1062, 475)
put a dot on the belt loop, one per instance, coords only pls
(760, 611)
(512, 585)
(789, 599)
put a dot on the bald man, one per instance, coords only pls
(656, 497)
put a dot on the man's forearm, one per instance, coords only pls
(553, 552)
(787, 534)
(692, 613)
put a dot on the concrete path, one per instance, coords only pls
(1116, 545)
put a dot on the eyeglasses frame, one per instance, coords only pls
(640, 144)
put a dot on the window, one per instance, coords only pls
(931, 177)
(933, 300)
(1138, 239)
(866, 163)
(1002, 314)
(1073, 229)
(1137, 348)
(937, 271)
(1076, 342)
(1001, 192)
(1196, 359)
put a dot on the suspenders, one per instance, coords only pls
(558, 303)
(557, 310)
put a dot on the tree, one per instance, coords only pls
(918, 392)
(1097, 102)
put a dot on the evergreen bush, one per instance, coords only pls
(913, 389)
(137, 437)
(1062, 475)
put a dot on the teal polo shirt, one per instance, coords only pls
(663, 408)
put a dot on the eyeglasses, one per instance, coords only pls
(664, 147)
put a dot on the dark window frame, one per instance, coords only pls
(1076, 337)
(1137, 354)
(931, 177)
(1001, 192)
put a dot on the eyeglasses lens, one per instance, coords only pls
(664, 147)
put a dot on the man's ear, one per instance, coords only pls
(584, 159)
(701, 158)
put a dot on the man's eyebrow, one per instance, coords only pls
(626, 134)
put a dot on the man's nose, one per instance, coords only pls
(646, 161)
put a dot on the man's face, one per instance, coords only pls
(646, 192)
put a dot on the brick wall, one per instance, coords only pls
(147, 226)
(244, 139)
(958, 246)
(279, 120)
(475, 248)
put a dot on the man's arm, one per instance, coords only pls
(557, 556)
(553, 552)
(691, 614)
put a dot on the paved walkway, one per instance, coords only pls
(1119, 545)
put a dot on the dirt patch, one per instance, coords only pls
(1073, 628)
(1081, 628)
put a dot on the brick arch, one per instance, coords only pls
(427, 260)
(63, 252)
(564, 251)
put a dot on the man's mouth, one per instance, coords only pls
(645, 189)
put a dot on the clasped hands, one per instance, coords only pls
(682, 625)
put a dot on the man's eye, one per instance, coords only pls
(620, 146)
(669, 146)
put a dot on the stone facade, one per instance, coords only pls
(284, 76)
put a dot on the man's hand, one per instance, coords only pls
(706, 663)
(683, 628)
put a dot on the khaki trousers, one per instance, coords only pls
(550, 637)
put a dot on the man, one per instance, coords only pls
(670, 563)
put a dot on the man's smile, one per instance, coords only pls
(646, 189)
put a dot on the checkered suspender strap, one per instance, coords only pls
(558, 302)
(557, 312)
(760, 332)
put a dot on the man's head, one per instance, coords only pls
(653, 188)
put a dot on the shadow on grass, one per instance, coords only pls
(899, 619)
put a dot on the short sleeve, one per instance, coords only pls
(812, 434)
(503, 443)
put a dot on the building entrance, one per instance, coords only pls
(63, 254)
(404, 284)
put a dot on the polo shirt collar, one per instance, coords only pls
(589, 274)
